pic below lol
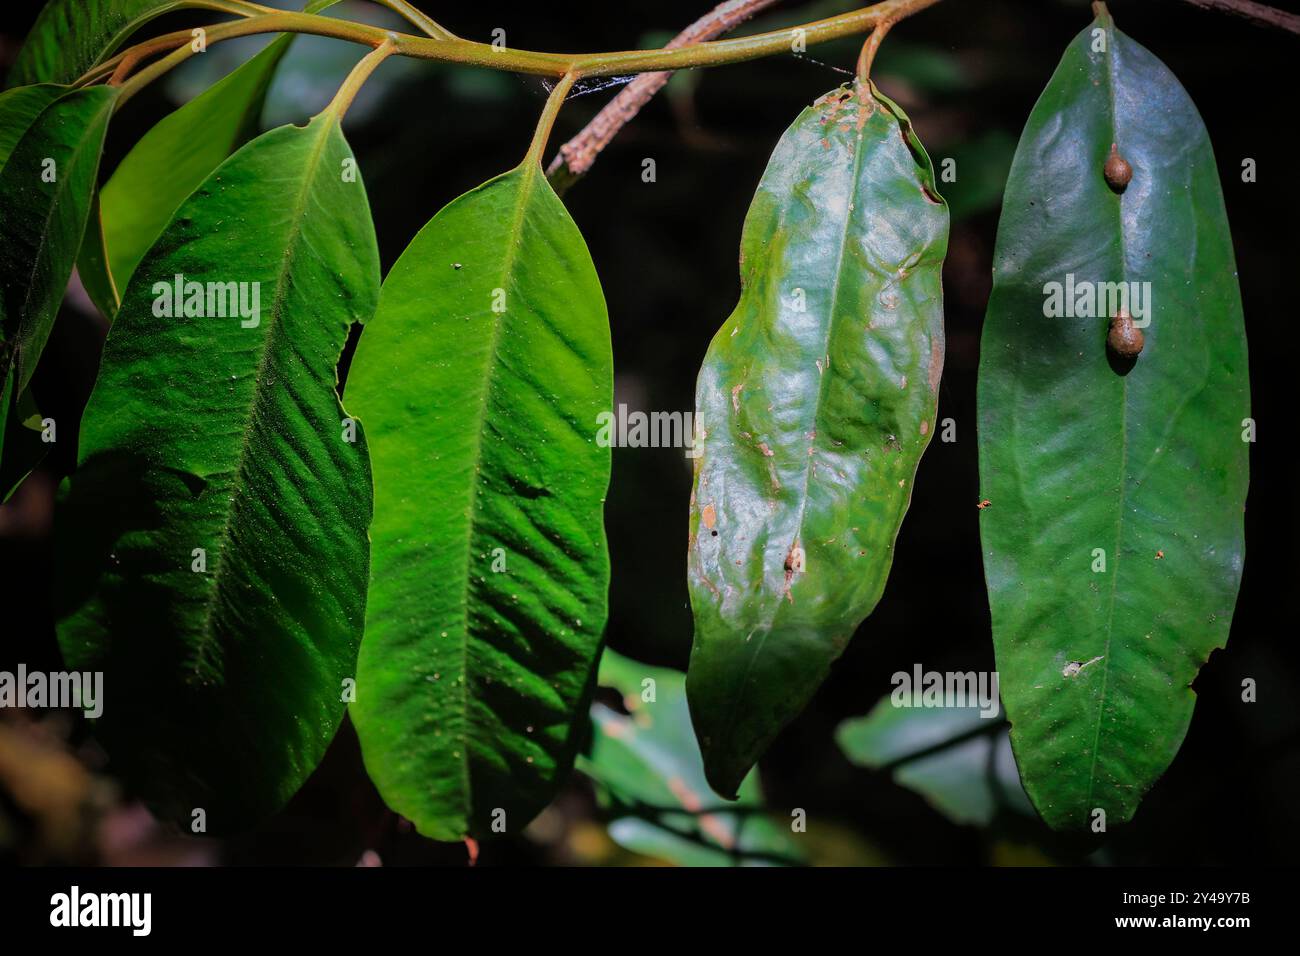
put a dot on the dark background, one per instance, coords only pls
(968, 74)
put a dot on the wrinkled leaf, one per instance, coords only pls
(490, 569)
(226, 434)
(71, 36)
(648, 768)
(1113, 539)
(959, 760)
(814, 404)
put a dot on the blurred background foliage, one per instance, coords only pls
(875, 785)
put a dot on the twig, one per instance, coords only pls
(868, 54)
(1258, 13)
(578, 154)
(418, 18)
(357, 78)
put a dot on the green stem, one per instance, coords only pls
(456, 50)
(360, 73)
(418, 19)
(547, 119)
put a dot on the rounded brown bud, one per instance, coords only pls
(1125, 339)
(1118, 171)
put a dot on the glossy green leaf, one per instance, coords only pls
(1113, 539)
(649, 773)
(223, 432)
(479, 384)
(46, 188)
(955, 757)
(170, 162)
(71, 36)
(815, 402)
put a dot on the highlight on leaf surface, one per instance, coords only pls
(813, 406)
(479, 384)
(1115, 551)
(211, 545)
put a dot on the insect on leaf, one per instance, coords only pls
(1113, 540)
(212, 541)
(479, 384)
(814, 404)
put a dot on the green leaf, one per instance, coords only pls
(226, 434)
(1113, 539)
(92, 263)
(170, 162)
(815, 402)
(23, 442)
(650, 774)
(19, 109)
(955, 757)
(71, 36)
(479, 383)
(980, 169)
(46, 186)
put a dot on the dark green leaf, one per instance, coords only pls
(23, 442)
(490, 570)
(71, 36)
(959, 760)
(170, 162)
(1113, 540)
(227, 682)
(815, 402)
(649, 771)
(980, 168)
(46, 187)
(19, 109)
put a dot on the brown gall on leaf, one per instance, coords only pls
(1125, 339)
(1117, 170)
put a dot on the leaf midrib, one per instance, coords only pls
(770, 622)
(514, 240)
(207, 637)
(1123, 444)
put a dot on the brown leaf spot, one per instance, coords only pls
(936, 363)
(709, 516)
